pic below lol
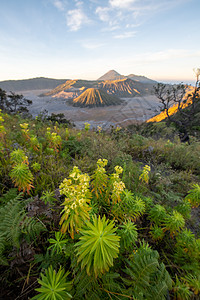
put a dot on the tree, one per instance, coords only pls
(185, 104)
(3, 99)
(13, 103)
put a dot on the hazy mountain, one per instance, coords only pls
(125, 87)
(39, 83)
(141, 79)
(94, 97)
(111, 75)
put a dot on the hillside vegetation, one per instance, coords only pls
(97, 215)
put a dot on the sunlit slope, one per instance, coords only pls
(71, 85)
(174, 109)
(94, 97)
(124, 87)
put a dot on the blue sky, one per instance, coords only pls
(159, 39)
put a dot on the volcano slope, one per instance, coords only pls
(95, 98)
(125, 87)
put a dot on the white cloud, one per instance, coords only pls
(103, 13)
(121, 3)
(166, 55)
(91, 45)
(76, 18)
(125, 35)
(58, 4)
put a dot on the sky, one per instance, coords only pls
(72, 39)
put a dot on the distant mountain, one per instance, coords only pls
(111, 75)
(94, 97)
(71, 86)
(39, 83)
(124, 87)
(141, 79)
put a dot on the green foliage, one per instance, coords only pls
(15, 224)
(174, 222)
(142, 212)
(54, 140)
(18, 156)
(58, 243)
(48, 197)
(34, 143)
(194, 195)
(54, 285)
(22, 177)
(147, 278)
(156, 233)
(181, 290)
(194, 282)
(10, 194)
(132, 205)
(187, 250)
(98, 246)
(89, 287)
(128, 233)
(157, 214)
(36, 167)
(184, 208)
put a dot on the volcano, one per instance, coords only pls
(94, 98)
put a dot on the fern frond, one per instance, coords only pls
(86, 285)
(14, 223)
(10, 194)
(31, 228)
(146, 276)
(161, 283)
(141, 268)
(3, 260)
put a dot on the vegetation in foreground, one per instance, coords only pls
(94, 215)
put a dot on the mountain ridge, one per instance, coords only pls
(114, 75)
(37, 83)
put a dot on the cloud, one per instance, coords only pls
(103, 13)
(58, 4)
(121, 3)
(92, 45)
(125, 35)
(159, 56)
(76, 18)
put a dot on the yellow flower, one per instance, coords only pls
(24, 125)
(118, 169)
